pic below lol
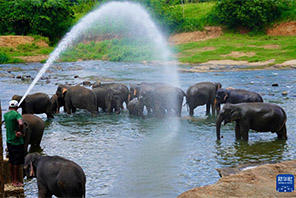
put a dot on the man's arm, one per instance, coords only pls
(21, 124)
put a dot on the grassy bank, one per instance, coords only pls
(239, 48)
(18, 48)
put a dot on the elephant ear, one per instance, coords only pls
(64, 91)
(235, 115)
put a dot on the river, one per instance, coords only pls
(123, 156)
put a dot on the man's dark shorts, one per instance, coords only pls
(16, 154)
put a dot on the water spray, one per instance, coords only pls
(133, 13)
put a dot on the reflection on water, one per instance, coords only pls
(124, 156)
(246, 152)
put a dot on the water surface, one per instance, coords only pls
(134, 157)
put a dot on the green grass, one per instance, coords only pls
(127, 49)
(197, 10)
(284, 49)
(11, 54)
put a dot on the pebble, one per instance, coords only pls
(284, 93)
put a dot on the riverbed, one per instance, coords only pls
(124, 156)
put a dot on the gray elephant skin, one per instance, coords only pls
(56, 103)
(115, 90)
(159, 98)
(33, 130)
(203, 93)
(55, 176)
(135, 107)
(261, 117)
(235, 96)
(77, 97)
(35, 104)
(101, 97)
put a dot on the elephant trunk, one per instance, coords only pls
(218, 125)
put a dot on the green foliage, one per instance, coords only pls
(288, 10)
(49, 18)
(114, 50)
(251, 14)
(3, 58)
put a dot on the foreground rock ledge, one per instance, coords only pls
(256, 182)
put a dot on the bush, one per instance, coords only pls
(251, 14)
(3, 58)
(49, 18)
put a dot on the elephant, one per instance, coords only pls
(124, 91)
(33, 129)
(101, 97)
(77, 97)
(261, 117)
(135, 107)
(55, 176)
(113, 100)
(203, 93)
(35, 103)
(56, 103)
(160, 98)
(235, 96)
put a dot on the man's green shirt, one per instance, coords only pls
(12, 126)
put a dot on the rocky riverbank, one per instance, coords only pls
(258, 181)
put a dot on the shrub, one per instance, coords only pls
(251, 14)
(50, 18)
(3, 58)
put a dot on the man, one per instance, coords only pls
(15, 143)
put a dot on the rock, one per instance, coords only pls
(86, 83)
(44, 78)
(275, 85)
(223, 172)
(284, 93)
(256, 182)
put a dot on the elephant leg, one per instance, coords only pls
(213, 109)
(42, 191)
(217, 107)
(282, 134)
(208, 109)
(237, 132)
(73, 109)
(244, 131)
(68, 108)
(191, 110)
(49, 112)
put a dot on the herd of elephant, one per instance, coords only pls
(244, 107)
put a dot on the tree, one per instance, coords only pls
(251, 14)
(50, 18)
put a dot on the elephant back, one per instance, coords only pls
(35, 123)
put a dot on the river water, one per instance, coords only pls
(124, 156)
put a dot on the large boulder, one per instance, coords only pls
(255, 182)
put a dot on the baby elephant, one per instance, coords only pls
(262, 117)
(55, 176)
(135, 107)
(33, 130)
